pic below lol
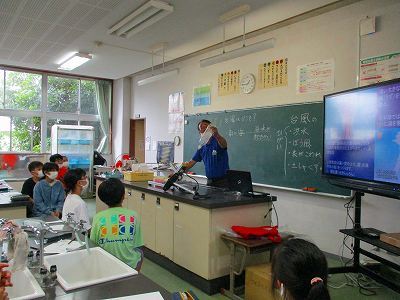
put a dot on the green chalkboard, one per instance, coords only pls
(280, 146)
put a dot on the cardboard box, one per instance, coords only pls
(258, 283)
(391, 238)
(138, 176)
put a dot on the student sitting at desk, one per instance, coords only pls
(300, 271)
(117, 229)
(213, 151)
(75, 182)
(48, 194)
(35, 168)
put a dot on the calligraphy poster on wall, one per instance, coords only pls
(229, 83)
(273, 73)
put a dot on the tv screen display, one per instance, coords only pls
(362, 138)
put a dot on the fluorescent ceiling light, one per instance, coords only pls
(141, 18)
(157, 77)
(75, 61)
(245, 50)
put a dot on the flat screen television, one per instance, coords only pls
(361, 145)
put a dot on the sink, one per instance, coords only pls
(82, 268)
(25, 286)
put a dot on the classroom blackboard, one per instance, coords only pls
(280, 145)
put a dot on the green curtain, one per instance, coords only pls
(103, 98)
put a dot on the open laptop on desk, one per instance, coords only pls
(241, 181)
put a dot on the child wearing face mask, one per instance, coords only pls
(35, 168)
(75, 181)
(62, 162)
(48, 194)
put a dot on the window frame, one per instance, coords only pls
(43, 113)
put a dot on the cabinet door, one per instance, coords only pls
(134, 201)
(192, 238)
(148, 220)
(165, 226)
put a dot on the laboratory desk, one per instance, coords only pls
(10, 209)
(182, 234)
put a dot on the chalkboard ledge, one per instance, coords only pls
(300, 191)
(262, 185)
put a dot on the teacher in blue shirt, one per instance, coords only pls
(213, 151)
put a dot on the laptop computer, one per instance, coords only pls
(240, 181)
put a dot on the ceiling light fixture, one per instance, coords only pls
(141, 18)
(74, 61)
(245, 49)
(163, 74)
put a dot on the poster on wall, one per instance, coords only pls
(175, 122)
(202, 95)
(175, 103)
(273, 73)
(228, 83)
(379, 68)
(316, 77)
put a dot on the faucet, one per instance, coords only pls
(78, 227)
(40, 233)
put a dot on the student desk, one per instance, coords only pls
(247, 247)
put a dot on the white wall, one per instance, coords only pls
(331, 35)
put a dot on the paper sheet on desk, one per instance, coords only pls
(62, 246)
(147, 296)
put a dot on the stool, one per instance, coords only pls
(247, 247)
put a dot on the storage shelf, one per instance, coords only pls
(373, 241)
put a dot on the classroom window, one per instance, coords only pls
(21, 90)
(63, 94)
(24, 113)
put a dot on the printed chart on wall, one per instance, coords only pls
(316, 77)
(273, 74)
(228, 83)
(379, 68)
(202, 95)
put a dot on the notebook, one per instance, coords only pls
(240, 181)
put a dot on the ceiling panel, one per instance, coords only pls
(5, 20)
(70, 36)
(33, 8)
(54, 10)
(11, 42)
(56, 33)
(76, 14)
(26, 44)
(5, 53)
(38, 29)
(92, 18)
(8, 6)
(21, 26)
(18, 55)
(109, 4)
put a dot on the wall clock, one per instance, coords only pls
(247, 83)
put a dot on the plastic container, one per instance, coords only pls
(205, 136)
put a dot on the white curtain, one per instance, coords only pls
(103, 98)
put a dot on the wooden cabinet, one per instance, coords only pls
(191, 238)
(134, 200)
(165, 227)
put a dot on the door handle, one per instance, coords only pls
(129, 193)
(158, 201)
(143, 196)
(176, 206)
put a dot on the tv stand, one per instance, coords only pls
(366, 235)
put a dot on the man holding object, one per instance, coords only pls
(213, 152)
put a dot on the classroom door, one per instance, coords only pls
(136, 139)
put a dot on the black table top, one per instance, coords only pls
(210, 197)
